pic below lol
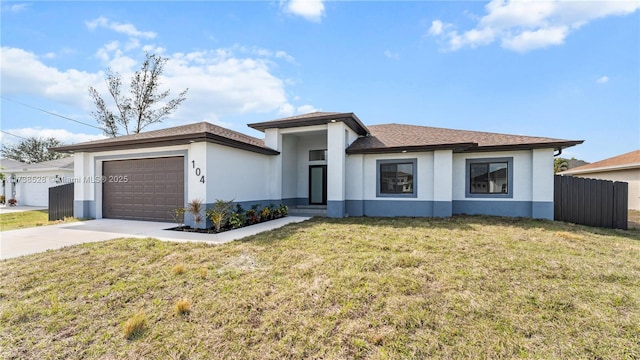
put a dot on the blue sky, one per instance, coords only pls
(564, 69)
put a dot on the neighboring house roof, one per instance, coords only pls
(574, 163)
(314, 118)
(202, 131)
(630, 160)
(400, 137)
(10, 163)
(65, 163)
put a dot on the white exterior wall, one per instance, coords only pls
(237, 175)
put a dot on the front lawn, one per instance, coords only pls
(465, 287)
(27, 219)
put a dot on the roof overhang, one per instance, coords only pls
(556, 145)
(165, 141)
(457, 147)
(350, 119)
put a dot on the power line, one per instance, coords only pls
(18, 136)
(50, 113)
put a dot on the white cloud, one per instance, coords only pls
(312, 10)
(436, 27)
(222, 81)
(63, 135)
(391, 55)
(525, 25)
(602, 80)
(15, 8)
(127, 29)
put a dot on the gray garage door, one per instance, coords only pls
(142, 189)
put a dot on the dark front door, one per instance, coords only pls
(318, 184)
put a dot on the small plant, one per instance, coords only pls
(177, 215)
(182, 307)
(265, 213)
(13, 202)
(135, 326)
(194, 207)
(252, 216)
(203, 273)
(219, 213)
(237, 219)
(2, 199)
(284, 210)
(178, 269)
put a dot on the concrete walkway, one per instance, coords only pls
(14, 243)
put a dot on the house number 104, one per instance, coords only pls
(198, 171)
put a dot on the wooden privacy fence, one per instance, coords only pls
(61, 202)
(600, 203)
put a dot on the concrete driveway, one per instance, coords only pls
(14, 243)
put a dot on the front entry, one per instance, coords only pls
(318, 185)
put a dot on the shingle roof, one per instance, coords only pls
(314, 118)
(397, 137)
(624, 161)
(63, 163)
(202, 131)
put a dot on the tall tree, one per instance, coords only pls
(33, 150)
(145, 104)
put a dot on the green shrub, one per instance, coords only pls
(219, 213)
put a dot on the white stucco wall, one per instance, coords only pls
(630, 176)
(237, 175)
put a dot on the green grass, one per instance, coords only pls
(364, 288)
(27, 219)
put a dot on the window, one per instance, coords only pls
(396, 178)
(317, 155)
(489, 177)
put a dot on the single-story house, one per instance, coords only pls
(325, 159)
(625, 167)
(30, 183)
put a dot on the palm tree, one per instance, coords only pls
(560, 164)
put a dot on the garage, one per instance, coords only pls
(143, 189)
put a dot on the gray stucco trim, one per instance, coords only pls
(542, 210)
(467, 176)
(295, 201)
(414, 161)
(442, 209)
(84, 209)
(335, 209)
(495, 208)
(410, 208)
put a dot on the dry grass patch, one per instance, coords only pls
(182, 307)
(134, 326)
(178, 269)
(363, 288)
